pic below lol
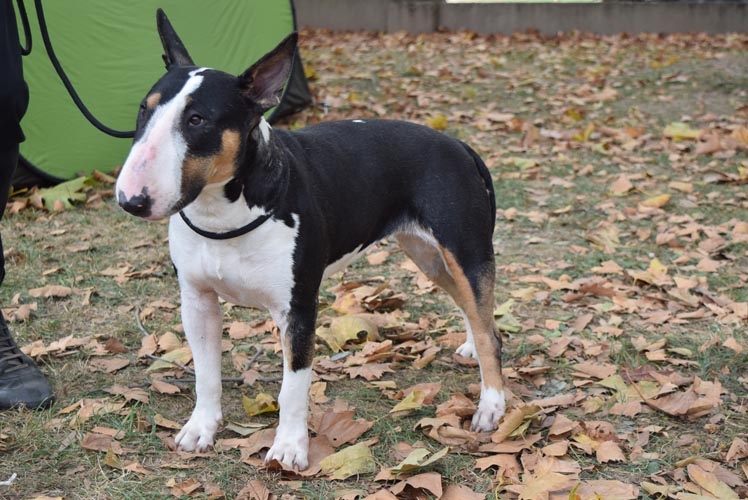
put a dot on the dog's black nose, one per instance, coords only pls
(139, 205)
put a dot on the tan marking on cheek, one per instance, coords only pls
(223, 165)
(153, 100)
(193, 172)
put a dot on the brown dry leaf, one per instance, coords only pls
(382, 494)
(698, 400)
(738, 450)
(100, 442)
(168, 342)
(606, 237)
(540, 485)
(428, 481)
(733, 344)
(166, 423)
(458, 404)
(609, 451)
(340, 427)
(459, 492)
(447, 430)
(621, 186)
(506, 462)
(562, 425)
(48, 291)
(607, 489)
(595, 369)
(88, 408)
(184, 488)
(133, 466)
(21, 313)
(129, 393)
(148, 345)
(162, 387)
(512, 421)
(377, 258)
(711, 483)
(255, 490)
(108, 365)
(114, 346)
(369, 371)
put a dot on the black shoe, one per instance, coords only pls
(21, 381)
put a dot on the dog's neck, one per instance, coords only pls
(257, 188)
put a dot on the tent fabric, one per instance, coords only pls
(111, 53)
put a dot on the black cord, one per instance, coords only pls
(25, 49)
(66, 81)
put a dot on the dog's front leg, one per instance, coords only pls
(291, 444)
(201, 318)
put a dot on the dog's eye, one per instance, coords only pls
(196, 120)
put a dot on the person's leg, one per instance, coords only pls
(21, 381)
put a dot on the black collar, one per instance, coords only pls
(229, 234)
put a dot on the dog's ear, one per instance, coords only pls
(174, 52)
(265, 79)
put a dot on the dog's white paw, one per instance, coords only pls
(199, 431)
(290, 449)
(467, 350)
(491, 408)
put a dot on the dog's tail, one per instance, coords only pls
(486, 175)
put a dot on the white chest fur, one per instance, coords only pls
(253, 270)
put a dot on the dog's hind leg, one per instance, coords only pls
(201, 317)
(471, 287)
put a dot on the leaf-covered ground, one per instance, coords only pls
(620, 166)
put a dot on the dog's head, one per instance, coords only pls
(193, 126)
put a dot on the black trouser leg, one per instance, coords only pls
(8, 163)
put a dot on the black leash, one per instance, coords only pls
(61, 72)
(26, 48)
(227, 235)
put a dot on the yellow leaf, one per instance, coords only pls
(412, 401)
(503, 309)
(262, 403)
(584, 135)
(350, 461)
(658, 201)
(437, 122)
(417, 459)
(180, 356)
(345, 329)
(681, 131)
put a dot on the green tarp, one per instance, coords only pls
(111, 53)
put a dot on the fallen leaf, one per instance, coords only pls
(57, 291)
(681, 131)
(350, 461)
(261, 403)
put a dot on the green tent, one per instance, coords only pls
(111, 54)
